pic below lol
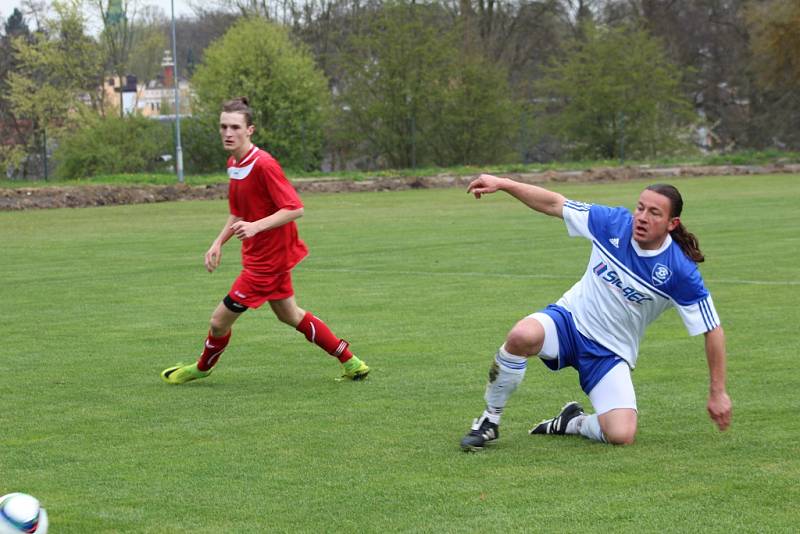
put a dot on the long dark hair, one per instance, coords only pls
(683, 237)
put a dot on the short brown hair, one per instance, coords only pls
(239, 105)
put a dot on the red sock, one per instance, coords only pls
(318, 332)
(213, 350)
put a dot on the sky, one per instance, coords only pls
(181, 7)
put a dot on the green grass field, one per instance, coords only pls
(425, 284)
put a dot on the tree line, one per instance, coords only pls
(399, 83)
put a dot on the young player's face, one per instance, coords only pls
(235, 133)
(652, 221)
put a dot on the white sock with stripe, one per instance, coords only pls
(505, 375)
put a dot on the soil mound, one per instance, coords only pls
(105, 195)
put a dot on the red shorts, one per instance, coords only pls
(253, 290)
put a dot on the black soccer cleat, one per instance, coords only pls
(558, 424)
(483, 431)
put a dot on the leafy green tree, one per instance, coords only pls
(615, 94)
(288, 94)
(409, 96)
(14, 132)
(393, 74)
(477, 120)
(774, 104)
(775, 28)
(56, 72)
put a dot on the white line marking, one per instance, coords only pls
(526, 276)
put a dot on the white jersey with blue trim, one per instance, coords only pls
(625, 287)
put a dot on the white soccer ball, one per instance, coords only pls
(20, 512)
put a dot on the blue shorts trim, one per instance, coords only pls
(592, 360)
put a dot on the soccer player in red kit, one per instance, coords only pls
(263, 207)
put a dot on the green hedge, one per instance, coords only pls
(110, 145)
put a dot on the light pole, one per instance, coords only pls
(178, 148)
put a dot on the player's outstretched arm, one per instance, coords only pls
(719, 403)
(537, 198)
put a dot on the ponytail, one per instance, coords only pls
(684, 238)
(688, 243)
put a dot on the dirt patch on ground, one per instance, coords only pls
(106, 195)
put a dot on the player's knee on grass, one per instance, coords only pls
(619, 426)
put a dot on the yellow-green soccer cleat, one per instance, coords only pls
(182, 373)
(355, 369)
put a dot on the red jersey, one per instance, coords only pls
(258, 188)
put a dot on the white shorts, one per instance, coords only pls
(614, 390)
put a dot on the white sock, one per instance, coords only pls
(573, 427)
(505, 375)
(492, 416)
(590, 427)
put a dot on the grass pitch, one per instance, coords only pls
(425, 284)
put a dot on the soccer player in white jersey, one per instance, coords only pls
(641, 264)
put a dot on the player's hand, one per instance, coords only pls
(484, 184)
(213, 257)
(244, 230)
(720, 409)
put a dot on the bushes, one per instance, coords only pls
(110, 145)
(113, 145)
(202, 148)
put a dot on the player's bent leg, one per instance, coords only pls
(225, 314)
(316, 331)
(619, 426)
(526, 337)
(614, 401)
(219, 334)
(287, 311)
(505, 374)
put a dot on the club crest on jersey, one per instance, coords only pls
(661, 274)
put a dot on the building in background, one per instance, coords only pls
(155, 98)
